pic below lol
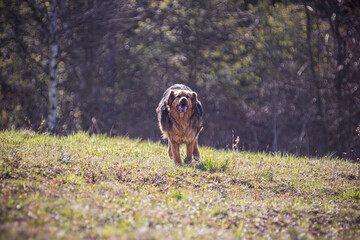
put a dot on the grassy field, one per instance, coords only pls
(95, 187)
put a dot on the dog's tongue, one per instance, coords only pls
(182, 109)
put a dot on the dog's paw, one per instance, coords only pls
(196, 158)
(187, 160)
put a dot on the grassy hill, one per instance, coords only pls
(95, 187)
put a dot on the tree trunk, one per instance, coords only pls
(53, 70)
(274, 126)
(340, 81)
(322, 124)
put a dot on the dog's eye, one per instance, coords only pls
(178, 96)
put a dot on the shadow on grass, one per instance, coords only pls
(197, 165)
(200, 166)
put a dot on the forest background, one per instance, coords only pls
(281, 75)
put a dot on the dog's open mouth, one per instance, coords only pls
(182, 109)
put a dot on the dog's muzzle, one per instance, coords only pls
(182, 107)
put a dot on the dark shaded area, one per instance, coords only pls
(281, 75)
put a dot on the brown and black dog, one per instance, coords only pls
(180, 120)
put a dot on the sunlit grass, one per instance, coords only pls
(83, 186)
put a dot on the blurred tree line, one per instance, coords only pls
(281, 75)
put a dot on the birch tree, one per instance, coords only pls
(53, 63)
(39, 26)
(35, 25)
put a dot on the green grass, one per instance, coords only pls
(95, 187)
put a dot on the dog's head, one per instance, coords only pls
(179, 101)
(182, 100)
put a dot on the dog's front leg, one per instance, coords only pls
(189, 152)
(170, 150)
(176, 152)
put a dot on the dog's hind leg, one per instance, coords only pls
(196, 151)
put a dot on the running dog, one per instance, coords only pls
(180, 120)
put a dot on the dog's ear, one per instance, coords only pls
(193, 98)
(165, 121)
(164, 116)
(171, 97)
(196, 118)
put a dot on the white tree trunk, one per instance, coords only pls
(53, 67)
(274, 127)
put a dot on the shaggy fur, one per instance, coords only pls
(180, 120)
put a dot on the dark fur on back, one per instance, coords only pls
(166, 120)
